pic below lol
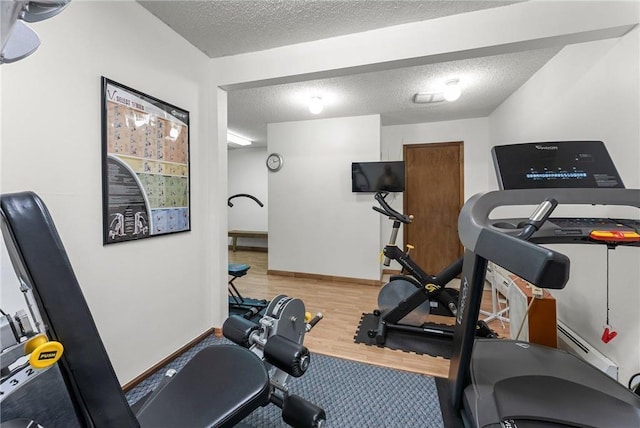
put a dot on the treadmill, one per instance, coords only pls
(515, 384)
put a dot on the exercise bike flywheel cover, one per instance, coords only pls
(397, 290)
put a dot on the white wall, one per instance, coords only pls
(51, 139)
(316, 224)
(473, 132)
(148, 298)
(248, 174)
(590, 91)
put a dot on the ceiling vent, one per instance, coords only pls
(428, 97)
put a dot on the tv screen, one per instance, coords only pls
(566, 164)
(377, 176)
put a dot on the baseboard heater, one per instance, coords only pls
(569, 341)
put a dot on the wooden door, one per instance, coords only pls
(434, 196)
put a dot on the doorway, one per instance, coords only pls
(434, 194)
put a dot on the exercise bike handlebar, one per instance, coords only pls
(380, 210)
(388, 211)
(244, 195)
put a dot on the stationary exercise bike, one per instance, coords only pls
(277, 338)
(237, 301)
(405, 302)
(413, 276)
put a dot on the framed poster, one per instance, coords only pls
(145, 165)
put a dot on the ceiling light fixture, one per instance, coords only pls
(18, 40)
(236, 139)
(428, 97)
(452, 90)
(315, 105)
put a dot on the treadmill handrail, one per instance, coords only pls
(477, 234)
(475, 213)
(538, 265)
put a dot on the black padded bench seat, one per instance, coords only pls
(219, 383)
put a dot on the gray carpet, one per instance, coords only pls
(352, 394)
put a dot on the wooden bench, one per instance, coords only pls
(235, 234)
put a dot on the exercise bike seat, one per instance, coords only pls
(219, 387)
(238, 269)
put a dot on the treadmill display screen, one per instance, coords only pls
(564, 164)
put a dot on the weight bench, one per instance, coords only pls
(235, 234)
(236, 300)
(207, 392)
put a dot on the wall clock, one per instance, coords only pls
(274, 162)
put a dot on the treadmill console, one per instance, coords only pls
(564, 164)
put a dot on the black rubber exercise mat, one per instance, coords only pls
(429, 345)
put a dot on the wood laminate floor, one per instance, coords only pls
(342, 304)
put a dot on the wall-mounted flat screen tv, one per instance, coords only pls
(377, 176)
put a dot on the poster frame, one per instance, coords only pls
(160, 111)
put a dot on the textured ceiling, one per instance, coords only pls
(486, 82)
(230, 27)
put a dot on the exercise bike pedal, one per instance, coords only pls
(300, 413)
(483, 330)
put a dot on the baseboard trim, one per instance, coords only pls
(321, 277)
(391, 271)
(135, 381)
